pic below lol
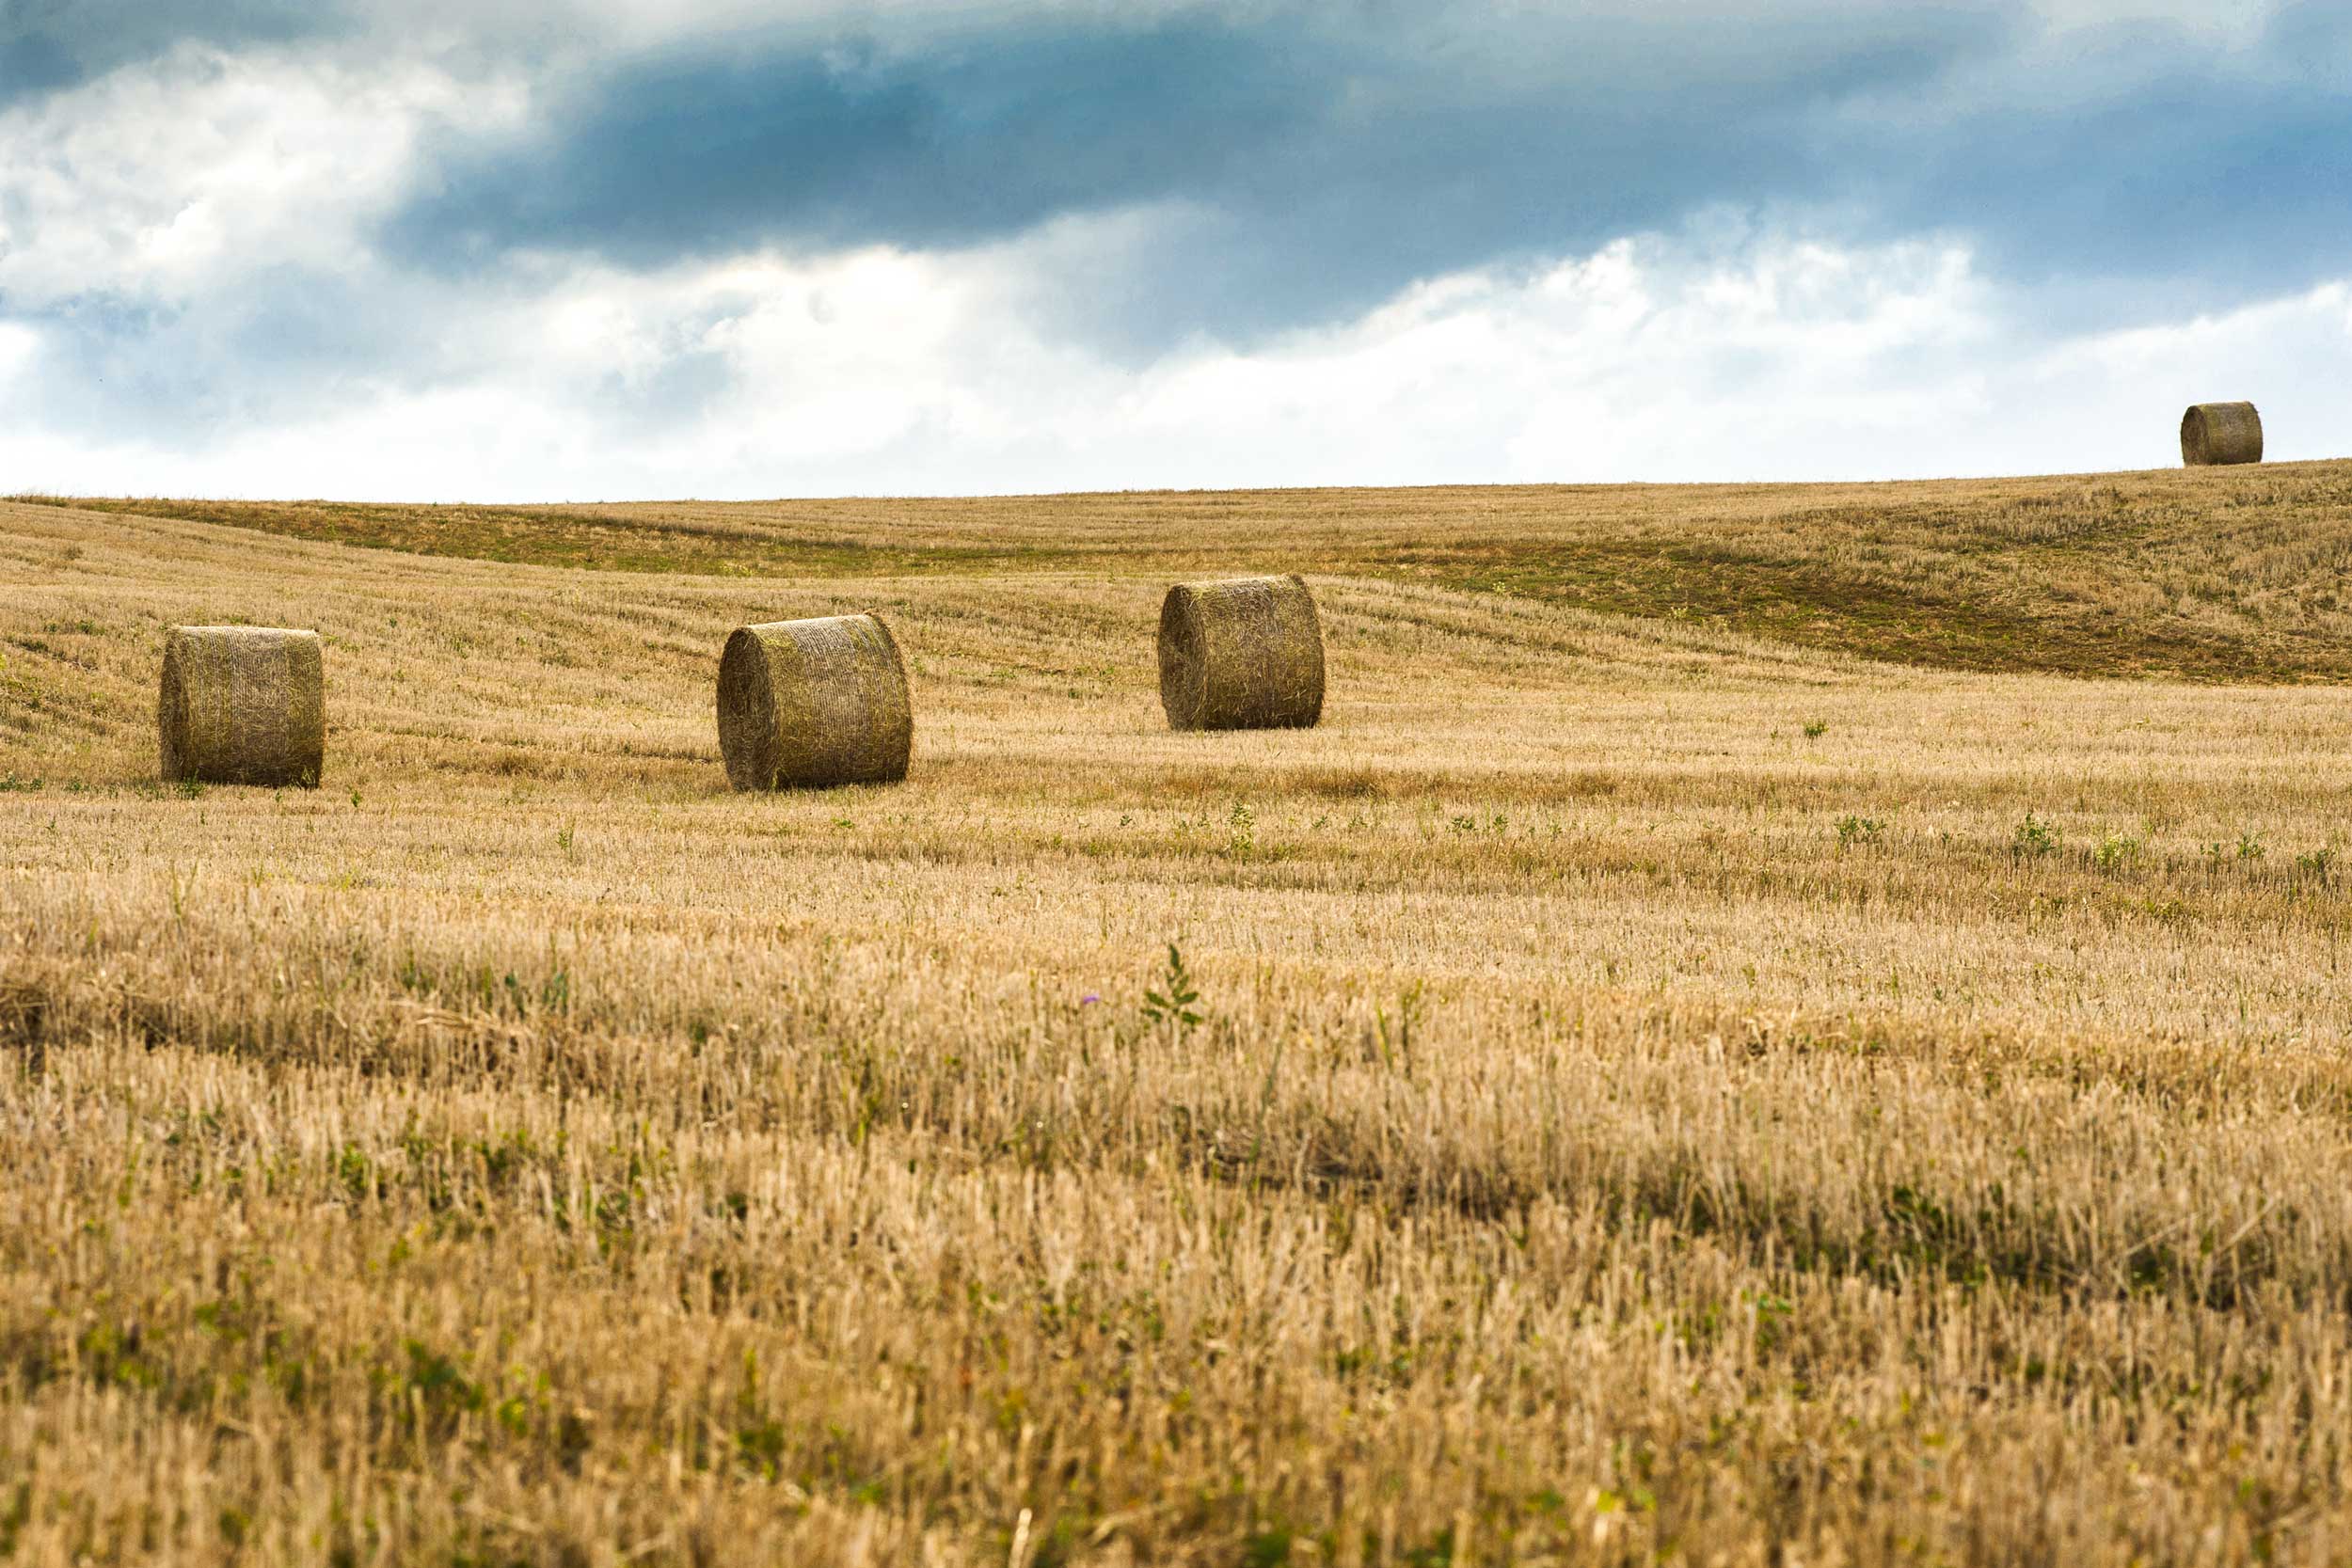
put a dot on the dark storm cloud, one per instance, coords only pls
(2145, 155)
(1313, 169)
(34, 63)
(705, 154)
(49, 45)
(1310, 168)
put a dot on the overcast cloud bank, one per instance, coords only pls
(538, 251)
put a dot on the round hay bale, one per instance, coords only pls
(2220, 433)
(243, 705)
(814, 703)
(1244, 655)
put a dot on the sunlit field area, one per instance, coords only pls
(1775, 1026)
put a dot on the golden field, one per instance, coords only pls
(1665, 1086)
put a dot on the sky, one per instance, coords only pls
(604, 249)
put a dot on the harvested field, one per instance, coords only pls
(1650, 1090)
(2220, 575)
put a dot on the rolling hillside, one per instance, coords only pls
(1664, 1085)
(2210, 574)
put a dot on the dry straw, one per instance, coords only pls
(2220, 433)
(244, 705)
(1245, 655)
(818, 702)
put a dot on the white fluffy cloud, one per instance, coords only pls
(165, 180)
(887, 373)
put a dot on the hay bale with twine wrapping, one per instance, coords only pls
(814, 703)
(1244, 655)
(243, 705)
(2220, 433)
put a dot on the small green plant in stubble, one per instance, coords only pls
(2117, 852)
(1173, 1005)
(2035, 838)
(2248, 851)
(1241, 825)
(1853, 829)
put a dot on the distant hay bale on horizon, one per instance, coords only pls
(243, 705)
(1241, 655)
(2214, 433)
(809, 703)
